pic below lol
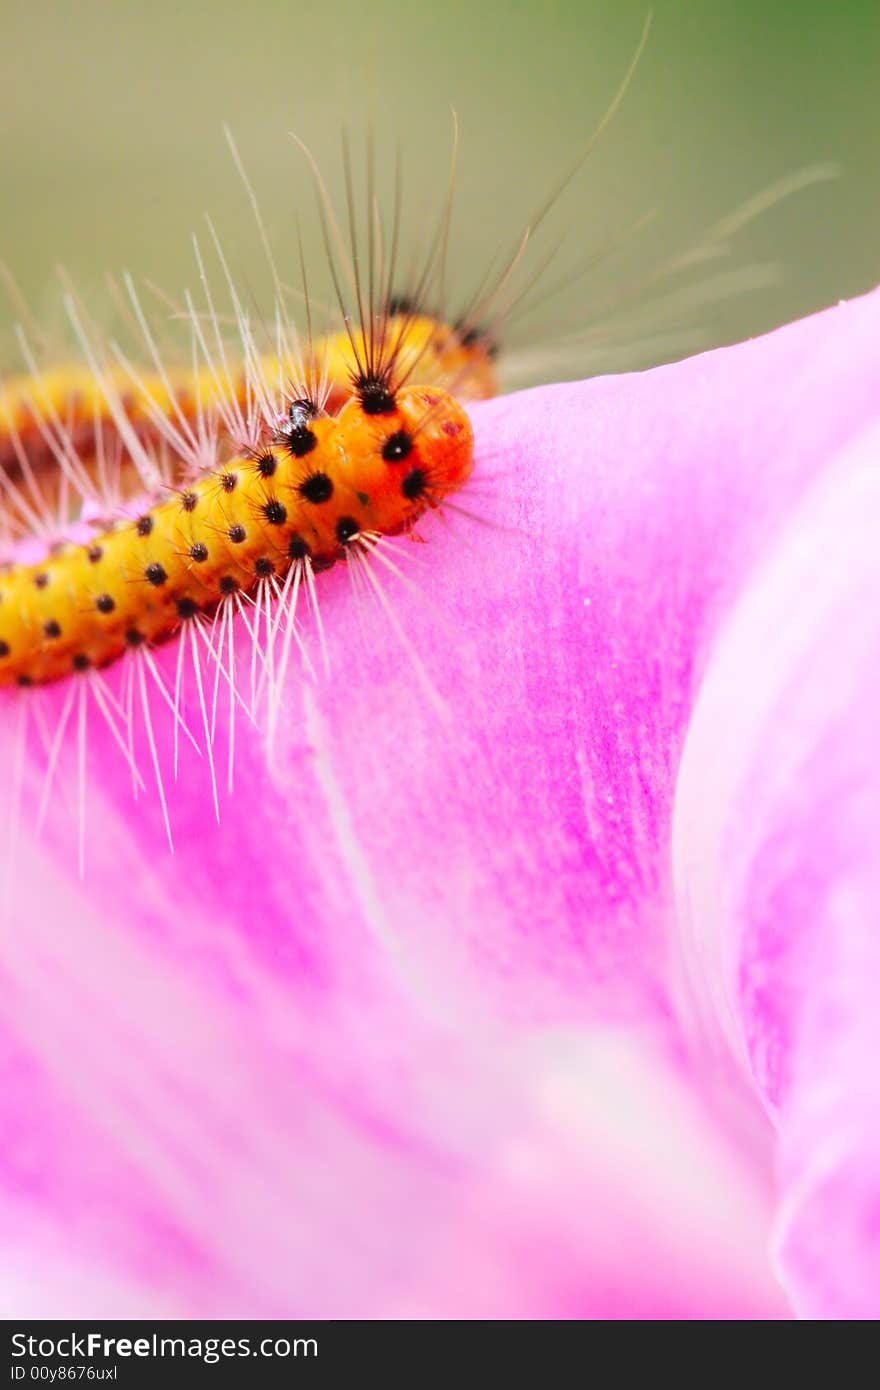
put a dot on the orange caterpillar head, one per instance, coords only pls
(398, 464)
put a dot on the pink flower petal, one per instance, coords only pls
(222, 1164)
(778, 825)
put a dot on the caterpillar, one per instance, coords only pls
(303, 492)
(334, 446)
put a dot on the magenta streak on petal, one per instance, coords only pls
(327, 995)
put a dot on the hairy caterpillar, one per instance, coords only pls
(279, 462)
(304, 491)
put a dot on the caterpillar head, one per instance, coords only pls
(405, 461)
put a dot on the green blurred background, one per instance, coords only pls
(112, 145)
